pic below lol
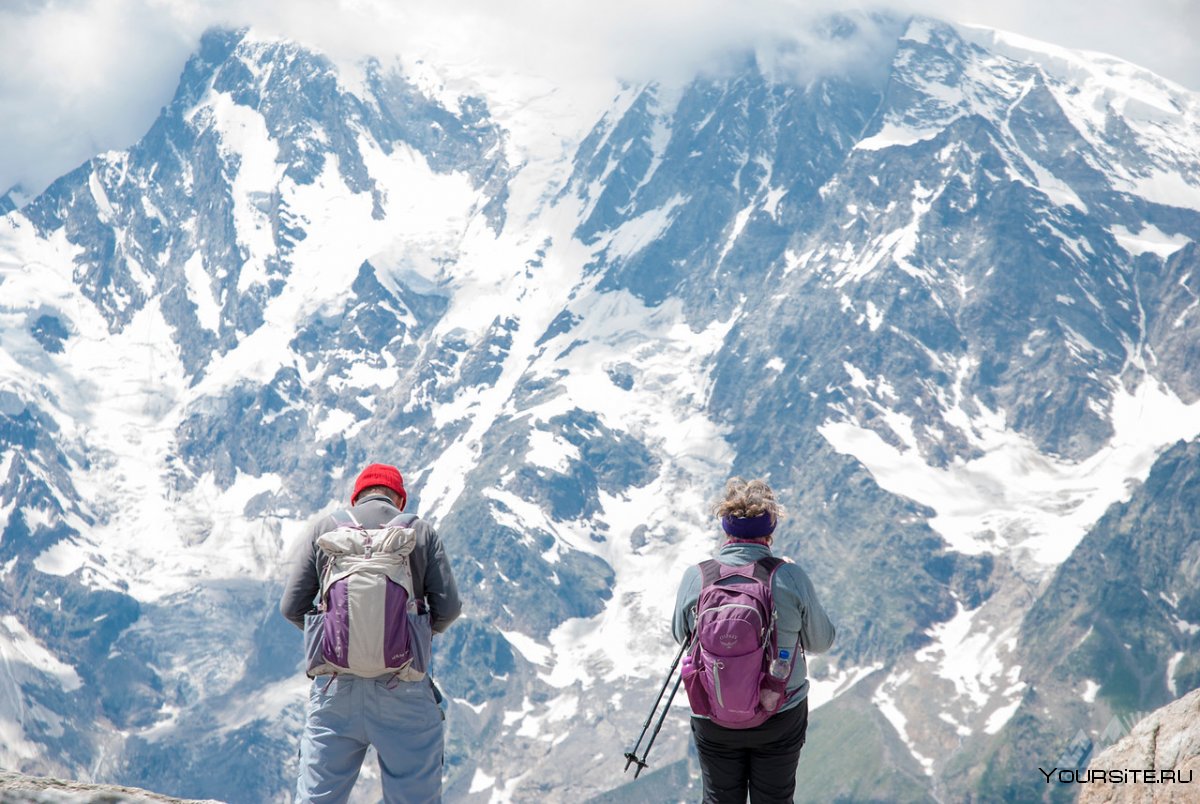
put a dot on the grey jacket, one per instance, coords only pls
(800, 613)
(432, 579)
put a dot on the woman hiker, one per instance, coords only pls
(759, 760)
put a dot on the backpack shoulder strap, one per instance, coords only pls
(401, 520)
(710, 572)
(344, 519)
(768, 566)
(764, 568)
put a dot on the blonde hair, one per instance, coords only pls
(747, 498)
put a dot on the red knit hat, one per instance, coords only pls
(380, 474)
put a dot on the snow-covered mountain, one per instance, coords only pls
(948, 307)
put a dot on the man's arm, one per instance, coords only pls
(302, 583)
(441, 592)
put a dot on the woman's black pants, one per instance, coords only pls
(760, 761)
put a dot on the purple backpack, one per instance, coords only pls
(725, 672)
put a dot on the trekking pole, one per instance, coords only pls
(657, 727)
(631, 756)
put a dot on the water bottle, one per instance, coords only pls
(781, 667)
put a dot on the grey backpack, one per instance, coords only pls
(369, 622)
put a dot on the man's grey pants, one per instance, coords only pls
(345, 714)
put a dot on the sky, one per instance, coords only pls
(79, 77)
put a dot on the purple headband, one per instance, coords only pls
(749, 527)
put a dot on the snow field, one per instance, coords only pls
(1015, 497)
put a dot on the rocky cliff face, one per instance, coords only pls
(1164, 746)
(945, 306)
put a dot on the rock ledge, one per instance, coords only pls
(15, 787)
(1167, 739)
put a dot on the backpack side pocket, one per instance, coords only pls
(314, 636)
(691, 671)
(420, 641)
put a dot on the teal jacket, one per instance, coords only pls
(800, 613)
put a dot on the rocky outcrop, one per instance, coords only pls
(1166, 740)
(15, 788)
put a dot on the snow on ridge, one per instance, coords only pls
(920, 30)
(244, 136)
(562, 707)
(637, 233)
(527, 646)
(1160, 165)
(1090, 87)
(1172, 664)
(897, 245)
(1168, 188)
(825, 690)
(1072, 64)
(18, 646)
(1148, 240)
(1014, 498)
(669, 364)
(523, 516)
(338, 422)
(885, 702)
(480, 781)
(970, 657)
(542, 123)
(104, 207)
(198, 286)
(117, 393)
(893, 134)
(134, 393)
(1000, 717)
(480, 292)
(550, 451)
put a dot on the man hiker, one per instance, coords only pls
(369, 586)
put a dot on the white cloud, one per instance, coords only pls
(77, 78)
(81, 76)
(1156, 34)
